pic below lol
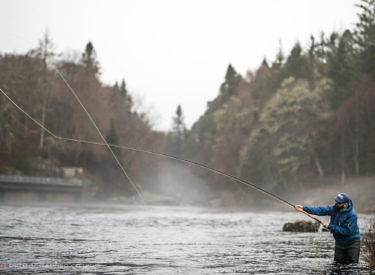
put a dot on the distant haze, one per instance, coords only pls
(172, 52)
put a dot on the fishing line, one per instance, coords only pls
(186, 161)
(76, 140)
(100, 134)
(197, 164)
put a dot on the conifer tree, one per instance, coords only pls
(341, 66)
(88, 59)
(178, 132)
(45, 53)
(365, 36)
(113, 138)
(296, 64)
(230, 86)
(277, 64)
(123, 89)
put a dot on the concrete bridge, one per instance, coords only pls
(24, 188)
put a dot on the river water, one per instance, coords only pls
(118, 239)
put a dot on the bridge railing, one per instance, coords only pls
(41, 180)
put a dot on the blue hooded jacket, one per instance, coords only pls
(343, 223)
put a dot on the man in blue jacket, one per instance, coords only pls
(343, 225)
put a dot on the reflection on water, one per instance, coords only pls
(160, 240)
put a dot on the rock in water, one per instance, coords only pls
(301, 226)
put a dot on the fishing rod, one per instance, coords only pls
(311, 216)
(186, 161)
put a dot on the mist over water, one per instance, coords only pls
(120, 239)
(360, 189)
(177, 183)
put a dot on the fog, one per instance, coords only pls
(361, 190)
(177, 184)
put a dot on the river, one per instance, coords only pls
(121, 239)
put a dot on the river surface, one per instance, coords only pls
(118, 239)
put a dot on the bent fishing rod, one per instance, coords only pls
(186, 161)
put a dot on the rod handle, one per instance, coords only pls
(311, 216)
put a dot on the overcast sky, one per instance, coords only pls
(172, 52)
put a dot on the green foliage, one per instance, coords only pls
(201, 138)
(307, 115)
(297, 64)
(113, 138)
(278, 63)
(230, 86)
(23, 160)
(8, 123)
(365, 36)
(353, 126)
(341, 65)
(286, 138)
(88, 59)
(227, 89)
(176, 138)
(233, 123)
(36, 87)
(263, 85)
(123, 89)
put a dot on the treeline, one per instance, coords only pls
(301, 118)
(35, 85)
(297, 120)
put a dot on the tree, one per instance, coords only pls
(296, 64)
(88, 59)
(286, 141)
(261, 85)
(178, 132)
(233, 124)
(201, 136)
(20, 78)
(45, 52)
(230, 85)
(276, 73)
(354, 125)
(94, 98)
(365, 36)
(113, 138)
(124, 92)
(8, 123)
(278, 63)
(123, 89)
(341, 66)
(24, 78)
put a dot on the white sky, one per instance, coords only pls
(172, 52)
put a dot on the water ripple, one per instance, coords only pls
(160, 240)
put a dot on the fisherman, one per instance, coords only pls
(343, 225)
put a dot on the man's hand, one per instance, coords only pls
(299, 208)
(324, 224)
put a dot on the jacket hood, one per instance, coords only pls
(350, 207)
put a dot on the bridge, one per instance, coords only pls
(26, 188)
